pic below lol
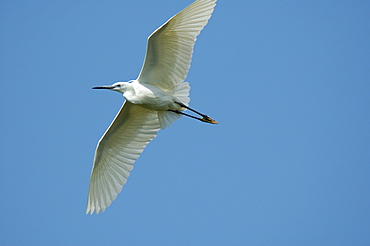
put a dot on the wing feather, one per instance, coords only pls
(132, 129)
(170, 47)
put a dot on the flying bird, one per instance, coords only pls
(156, 99)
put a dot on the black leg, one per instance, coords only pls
(191, 116)
(205, 118)
(184, 106)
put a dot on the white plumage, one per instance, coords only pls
(154, 100)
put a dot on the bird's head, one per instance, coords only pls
(118, 86)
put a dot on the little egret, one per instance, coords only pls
(154, 100)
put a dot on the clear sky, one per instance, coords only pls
(289, 163)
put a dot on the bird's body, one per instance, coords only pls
(154, 101)
(149, 96)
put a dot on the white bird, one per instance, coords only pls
(154, 100)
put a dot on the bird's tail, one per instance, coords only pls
(181, 92)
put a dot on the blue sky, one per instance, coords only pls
(289, 163)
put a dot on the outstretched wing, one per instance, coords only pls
(132, 129)
(170, 47)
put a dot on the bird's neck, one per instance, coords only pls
(128, 90)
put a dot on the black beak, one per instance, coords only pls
(109, 87)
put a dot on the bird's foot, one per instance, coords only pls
(207, 119)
